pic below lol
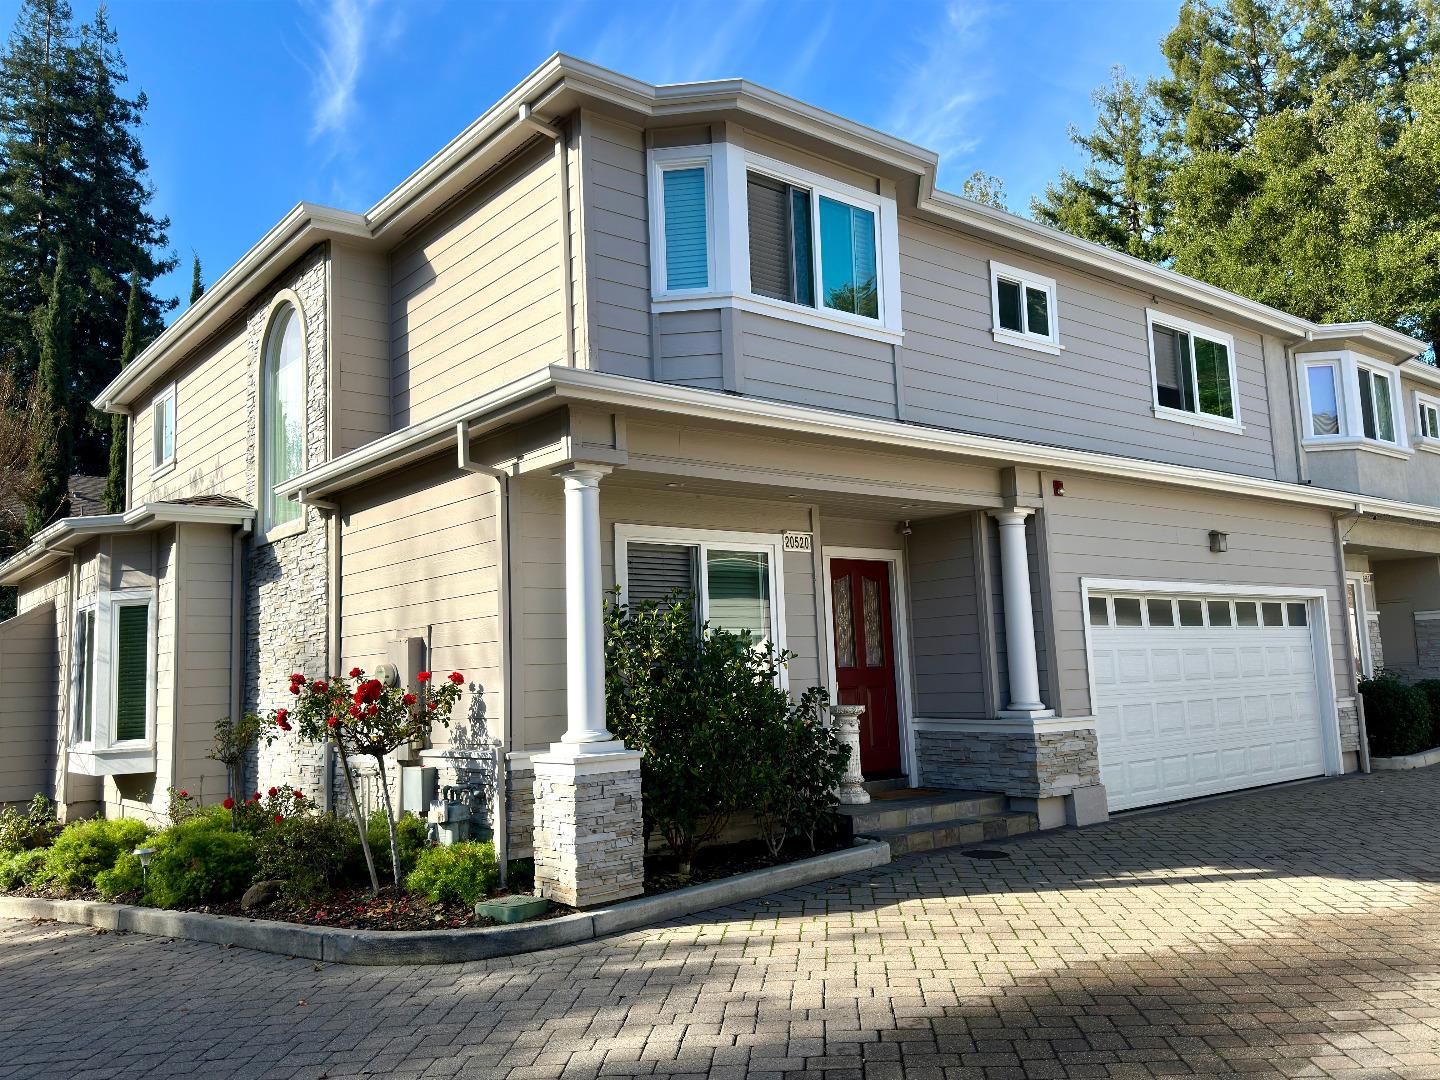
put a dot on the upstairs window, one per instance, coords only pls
(162, 421)
(1022, 306)
(1428, 420)
(1347, 401)
(282, 419)
(1193, 369)
(687, 229)
(798, 236)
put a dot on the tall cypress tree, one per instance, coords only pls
(197, 287)
(51, 461)
(119, 444)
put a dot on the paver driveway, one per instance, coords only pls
(1294, 932)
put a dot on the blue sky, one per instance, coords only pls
(257, 105)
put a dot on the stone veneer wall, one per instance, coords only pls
(1022, 764)
(1427, 645)
(601, 861)
(1349, 724)
(521, 835)
(286, 616)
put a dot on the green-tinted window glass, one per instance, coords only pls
(1037, 311)
(847, 259)
(738, 588)
(283, 423)
(132, 671)
(1367, 404)
(1212, 377)
(1384, 410)
(1008, 300)
(803, 247)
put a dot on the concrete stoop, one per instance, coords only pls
(926, 821)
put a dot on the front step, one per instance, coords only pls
(929, 808)
(908, 839)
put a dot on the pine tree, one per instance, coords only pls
(197, 287)
(119, 445)
(50, 463)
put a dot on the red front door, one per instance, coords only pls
(865, 658)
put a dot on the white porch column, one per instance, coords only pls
(588, 833)
(584, 613)
(1020, 654)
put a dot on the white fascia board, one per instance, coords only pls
(1420, 372)
(303, 226)
(620, 390)
(1396, 346)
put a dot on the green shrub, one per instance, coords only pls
(20, 868)
(32, 827)
(85, 848)
(411, 836)
(123, 879)
(458, 874)
(1431, 689)
(1397, 717)
(200, 861)
(310, 854)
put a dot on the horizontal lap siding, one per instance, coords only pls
(476, 302)
(1096, 395)
(946, 633)
(810, 365)
(419, 554)
(29, 725)
(540, 582)
(211, 427)
(617, 242)
(205, 603)
(691, 353)
(1110, 529)
(360, 283)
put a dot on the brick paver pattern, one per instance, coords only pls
(1294, 932)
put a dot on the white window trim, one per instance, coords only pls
(1362, 618)
(160, 468)
(1421, 441)
(704, 540)
(265, 532)
(1347, 365)
(1025, 339)
(104, 753)
(82, 609)
(1194, 329)
(671, 159)
(730, 241)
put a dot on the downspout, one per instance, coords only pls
(1353, 651)
(500, 809)
(1292, 381)
(567, 284)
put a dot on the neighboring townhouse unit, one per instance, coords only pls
(1073, 528)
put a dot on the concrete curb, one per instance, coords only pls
(385, 947)
(1410, 761)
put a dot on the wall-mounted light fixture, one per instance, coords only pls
(1218, 541)
(1058, 488)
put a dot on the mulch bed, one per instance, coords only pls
(726, 860)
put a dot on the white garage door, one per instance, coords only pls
(1200, 694)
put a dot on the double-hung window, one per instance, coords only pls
(113, 681)
(162, 436)
(1193, 372)
(733, 577)
(1427, 421)
(1349, 401)
(1022, 306)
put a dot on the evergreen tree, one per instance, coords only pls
(115, 481)
(197, 287)
(50, 462)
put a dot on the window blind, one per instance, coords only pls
(132, 670)
(656, 571)
(1172, 368)
(687, 253)
(769, 214)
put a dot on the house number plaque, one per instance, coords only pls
(794, 541)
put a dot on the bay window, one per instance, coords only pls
(1347, 400)
(1427, 420)
(113, 683)
(1193, 372)
(733, 577)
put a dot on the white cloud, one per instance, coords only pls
(346, 37)
(935, 103)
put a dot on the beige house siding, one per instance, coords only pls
(360, 360)
(29, 718)
(952, 653)
(204, 656)
(1112, 529)
(617, 243)
(419, 559)
(476, 298)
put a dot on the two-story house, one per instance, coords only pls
(1073, 528)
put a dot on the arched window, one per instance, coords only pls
(282, 417)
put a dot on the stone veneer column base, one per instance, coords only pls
(589, 834)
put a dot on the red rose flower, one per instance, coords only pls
(456, 678)
(332, 721)
(229, 804)
(295, 688)
(299, 794)
(283, 725)
(319, 687)
(432, 706)
(184, 794)
(257, 796)
(354, 710)
(280, 715)
(409, 699)
(273, 792)
(371, 710)
(297, 678)
(424, 676)
(279, 818)
(356, 672)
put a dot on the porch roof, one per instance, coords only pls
(56, 541)
(559, 384)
